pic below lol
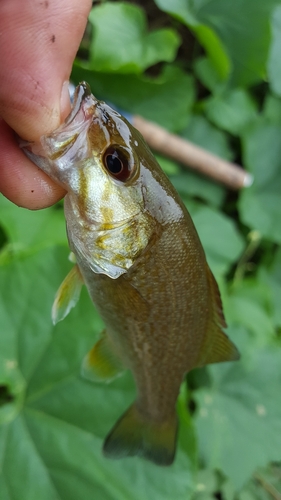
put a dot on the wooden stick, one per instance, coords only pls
(193, 156)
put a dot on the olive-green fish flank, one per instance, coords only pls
(140, 257)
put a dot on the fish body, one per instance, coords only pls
(141, 259)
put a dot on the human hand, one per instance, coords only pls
(39, 40)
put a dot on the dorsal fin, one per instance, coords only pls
(217, 346)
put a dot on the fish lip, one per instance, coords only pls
(74, 129)
(82, 92)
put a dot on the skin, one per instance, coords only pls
(39, 40)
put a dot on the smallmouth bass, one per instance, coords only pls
(140, 257)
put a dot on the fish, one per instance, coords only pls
(140, 257)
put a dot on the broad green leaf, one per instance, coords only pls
(274, 63)
(50, 444)
(168, 166)
(122, 43)
(239, 417)
(272, 109)
(228, 490)
(248, 303)
(185, 12)
(239, 33)
(200, 131)
(204, 134)
(232, 111)
(32, 229)
(244, 30)
(190, 183)
(166, 100)
(259, 205)
(220, 238)
(214, 47)
(180, 9)
(208, 75)
(272, 278)
(207, 484)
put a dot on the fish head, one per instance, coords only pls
(94, 156)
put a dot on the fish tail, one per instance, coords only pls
(135, 435)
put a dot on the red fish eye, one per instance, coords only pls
(117, 163)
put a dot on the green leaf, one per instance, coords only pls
(121, 42)
(207, 484)
(248, 303)
(259, 205)
(200, 131)
(50, 444)
(184, 12)
(272, 109)
(272, 278)
(168, 166)
(215, 48)
(232, 111)
(239, 417)
(247, 43)
(204, 134)
(191, 183)
(230, 39)
(220, 239)
(27, 229)
(208, 75)
(274, 63)
(166, 100)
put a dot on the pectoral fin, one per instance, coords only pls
(101, 364)
(217, 346)
(67, 295)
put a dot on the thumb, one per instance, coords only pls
(39, 41)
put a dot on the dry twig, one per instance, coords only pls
(189, 154)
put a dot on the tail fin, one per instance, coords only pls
(134, 435)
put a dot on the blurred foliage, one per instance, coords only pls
(211, 71)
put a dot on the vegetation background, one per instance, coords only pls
(209, 70)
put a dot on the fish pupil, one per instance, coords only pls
(116, 160)
(114, 164)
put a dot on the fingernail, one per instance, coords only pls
(65, 105)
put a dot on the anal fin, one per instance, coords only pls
(101, 364)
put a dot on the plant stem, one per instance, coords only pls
(268, 486)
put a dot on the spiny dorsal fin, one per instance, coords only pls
(101, 364)
(218, 347)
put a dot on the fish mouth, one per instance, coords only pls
(69, 141)
(82, 92)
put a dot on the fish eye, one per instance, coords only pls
(118, 163)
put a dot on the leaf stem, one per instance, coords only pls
(267, 486)
(254, 238)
